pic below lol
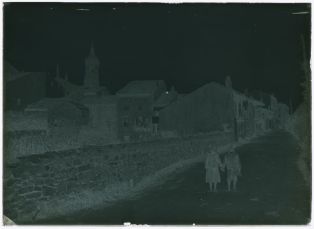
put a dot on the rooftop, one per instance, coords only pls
(11, 73)
(140, 88)
(107, 99)
(45, 104)
(166, 98)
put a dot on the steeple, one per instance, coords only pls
(228, 82)
(91, 80)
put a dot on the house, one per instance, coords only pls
(65, 119)
(22, 88)
(256, 112)
(61, 113)
(247, 114)
(257, 122)
(269, 110)
(165, 99)
(136, 116)
(283, 115)
(102, 125)
(207, 109)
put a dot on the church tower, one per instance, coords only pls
(91, 80)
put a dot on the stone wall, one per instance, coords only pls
(43, 180)
(21, 143)
(24, 143)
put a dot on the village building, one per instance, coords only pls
(22, 88)
(89, 109)
(59, 112)
(257, 121)
(102, 127)
(142, 110)
(91, 87)
(241, 113)
(91, 80)
(50, 124)
(136, 115)
(165, 99)
(65, 119)
(263, 118)
(270, 108)
(283, 115)
(207, 109)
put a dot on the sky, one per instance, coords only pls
(187, 45)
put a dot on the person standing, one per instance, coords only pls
(233, 167)
(155, 122)
(212, 165)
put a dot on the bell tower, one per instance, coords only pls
(91, 80)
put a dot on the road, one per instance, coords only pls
(271, 190)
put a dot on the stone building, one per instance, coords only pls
(135, 108)
(165, 99)
(207, 109)
(22, 88)
(65, 118)
(270, 108)
(101, 127)
(91, 80)
(50, 124)
(255, 113)
(262, 120)
(241, 114)
(257, 120)
(91, 86)
(283, 115)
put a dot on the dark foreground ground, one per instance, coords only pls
(270, 191)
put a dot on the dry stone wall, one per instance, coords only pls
(40, 179)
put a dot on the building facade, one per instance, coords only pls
(136, 116)
(283, 115)
(22, 88)
(207, 109)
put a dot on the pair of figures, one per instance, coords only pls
(213, 165)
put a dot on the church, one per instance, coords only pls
(93, 115)
(98, 117)
(91, 86)
(142, 110)
(101, 127)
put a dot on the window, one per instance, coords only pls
(139, 121)
(125, 122)
(245, 105)
(239, 109)
(155, 119)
